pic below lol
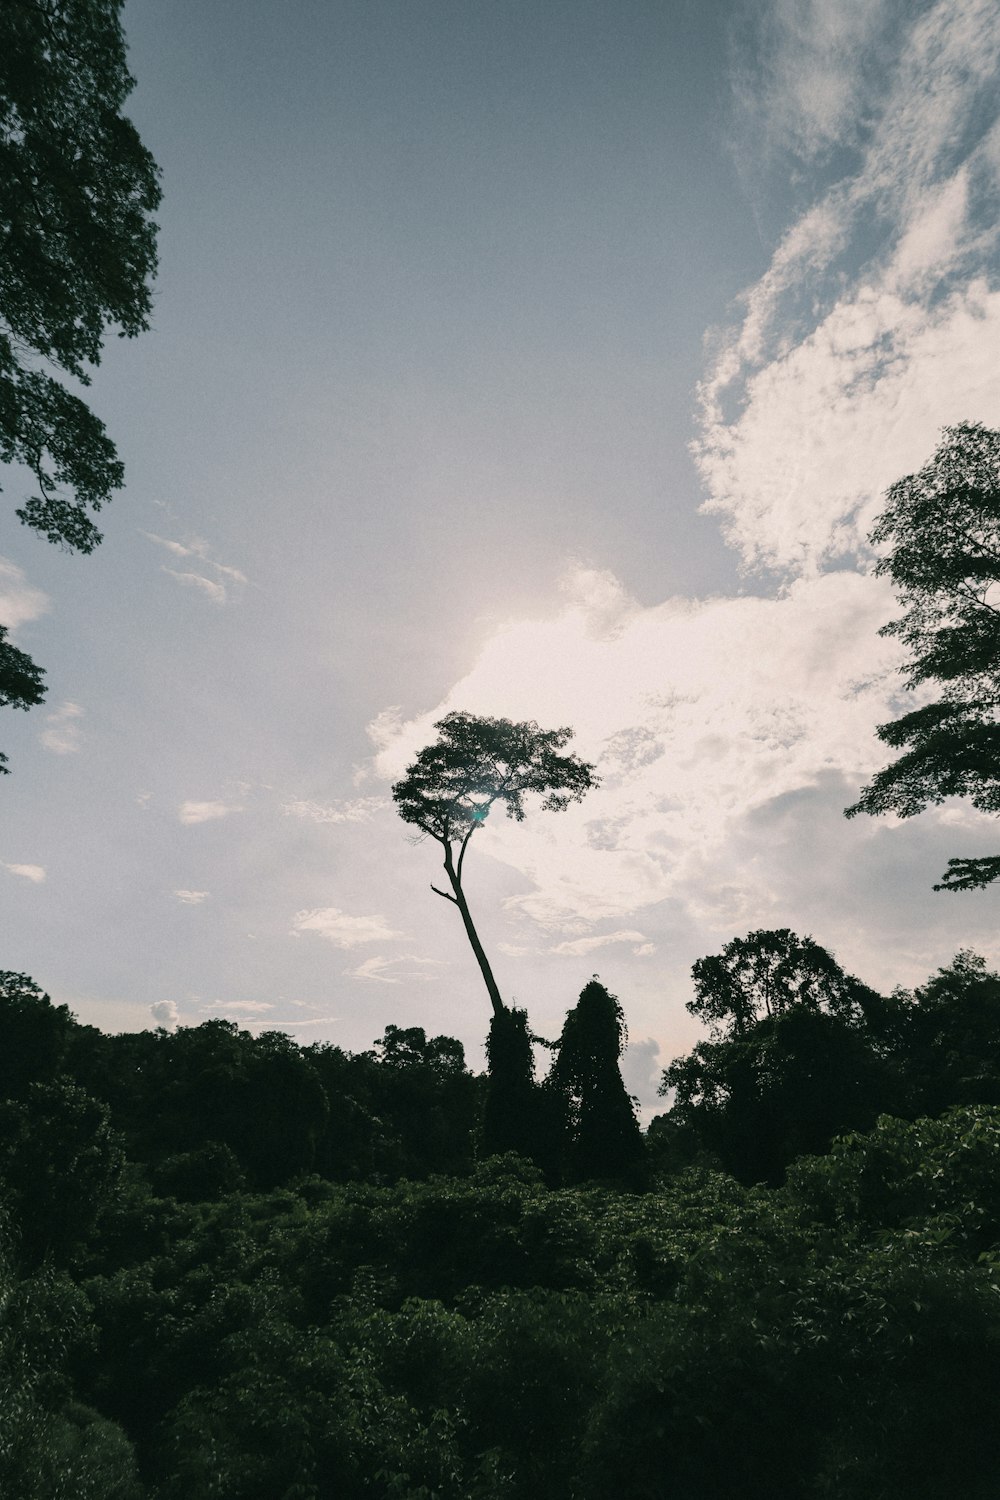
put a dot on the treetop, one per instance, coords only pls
(478, 761)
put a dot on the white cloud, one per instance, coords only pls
(351, 810)
(63, 734)
(803, 94)
(233, 574)
(215, 591)
(19, 602)
(191, 898)
(396, 970)
(878, 319)
(164, 1013)
(205, 812)
(198, 548)
(250, 1007)
(35, 873)
(577, 947)
(697, 713)
(341, 929)
(177, 548)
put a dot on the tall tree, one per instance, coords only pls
(475, 762)
(77, 253)
(601, 1136)
(765, 974)
(942, 526)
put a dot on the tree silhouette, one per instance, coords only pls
(943, 525)
(768, 972)
(601, 1136)
(475, 762)
(77, 250)
(20, 681)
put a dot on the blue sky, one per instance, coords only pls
(542, 360)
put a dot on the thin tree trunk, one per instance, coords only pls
(470, 928)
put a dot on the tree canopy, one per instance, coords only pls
(475, 763)
(77, 255)
(942, 527)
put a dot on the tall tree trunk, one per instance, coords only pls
(473, 935)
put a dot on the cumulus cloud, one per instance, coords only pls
(164, 1013)
(205, 812)
(34, 873)
(63, 735)
(696, 713)
(19, 602)
(191, 898)
(341, 929)
(878, 319)
(350, 810)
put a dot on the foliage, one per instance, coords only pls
(77, 254)
(61, 1165)
(599, 1132)
(476, 762)
(766, 974)
(942, 525)
(34, 1035)
(77, 189)
(511, 1112)
(20, 681)
(481, 1334)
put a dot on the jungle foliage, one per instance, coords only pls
(233, 1266)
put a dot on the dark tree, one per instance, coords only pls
(20, 681)
(942, 526)
(797, 1054)
(600, 1133)
(766, 973)
(61, 1166)
(512, 1109)
(77, 252)
(34, 1035)
(475, 762)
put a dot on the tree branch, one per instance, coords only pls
(444, 894)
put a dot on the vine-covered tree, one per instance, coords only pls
(942, 526)
(600, 1133)
(77, 254)
(512, 1112)
(476, 762)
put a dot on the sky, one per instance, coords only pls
(543, 361)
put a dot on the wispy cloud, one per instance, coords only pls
(34, 873)
(407, 969)
(351, 810)
(215, 591)
(196, 547)
(19, 602)
(63, 736)
(191, 898)
(205, 812)
(250, 1007)
(343, 930)
(578, 947)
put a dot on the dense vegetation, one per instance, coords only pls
(237, 1267)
